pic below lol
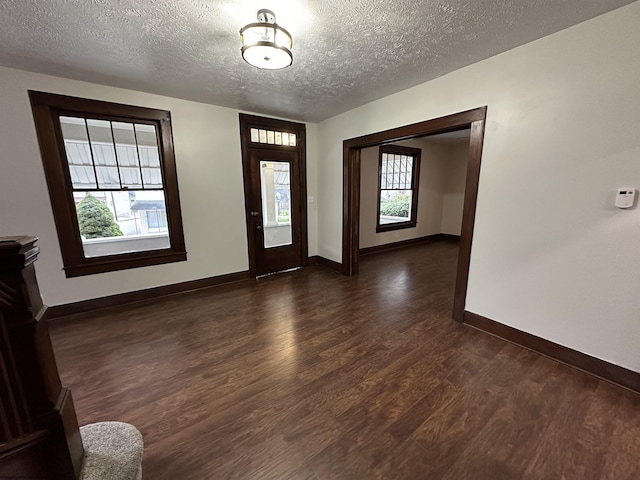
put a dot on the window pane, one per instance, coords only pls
(396, 172)
(395, 206)
(146, 139)
(292, 139)
(127, 154)
(112, 223)
(383, 174)
(403, 172)
(276, 203)
(130, 177)
(76, 144)
(278, 138)
(270, 137)
(80, 167)
(255, 137)
(108, 177)
(152, 177)
(146, 134)
(104, 154)
(149, 156)
(407, 172)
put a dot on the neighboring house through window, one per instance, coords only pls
(150, 215)
(111, 175)
(398, 175)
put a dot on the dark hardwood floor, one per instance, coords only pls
(314, 376)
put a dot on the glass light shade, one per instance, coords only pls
(266, 46)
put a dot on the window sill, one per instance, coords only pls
(121, 262)
(388, 227)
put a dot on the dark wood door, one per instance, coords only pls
(274, 205)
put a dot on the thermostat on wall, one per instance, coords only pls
(625, 197)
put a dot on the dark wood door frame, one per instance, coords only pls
(246, 123)
(474, 119)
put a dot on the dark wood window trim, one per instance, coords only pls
(47, 108)
(415, 185)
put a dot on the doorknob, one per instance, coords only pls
(259, 227)
(255, 214)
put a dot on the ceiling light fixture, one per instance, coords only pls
(265, 44)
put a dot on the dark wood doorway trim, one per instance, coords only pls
(474, 119)
(246, 123)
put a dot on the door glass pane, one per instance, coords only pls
(276, 203)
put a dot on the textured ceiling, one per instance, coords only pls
(346, 52)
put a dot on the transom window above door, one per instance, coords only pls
(273, 137)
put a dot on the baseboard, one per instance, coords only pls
(449, 237)
(83, 306)
(318, 260)
(412, 241)
(594, 366)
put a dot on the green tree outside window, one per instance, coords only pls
(95, 219)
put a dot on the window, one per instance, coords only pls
(273, 137)
(398, 175)
(112, 181)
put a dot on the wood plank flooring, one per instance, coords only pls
(314, 376)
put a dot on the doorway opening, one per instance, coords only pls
(274, 171)
(474, 120)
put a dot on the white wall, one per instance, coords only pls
(209, 164)
(440, 188)
(551, 255)
(312, 187)
(453, 187)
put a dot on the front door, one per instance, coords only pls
(274, 195)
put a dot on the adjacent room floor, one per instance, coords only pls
(312, 375)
